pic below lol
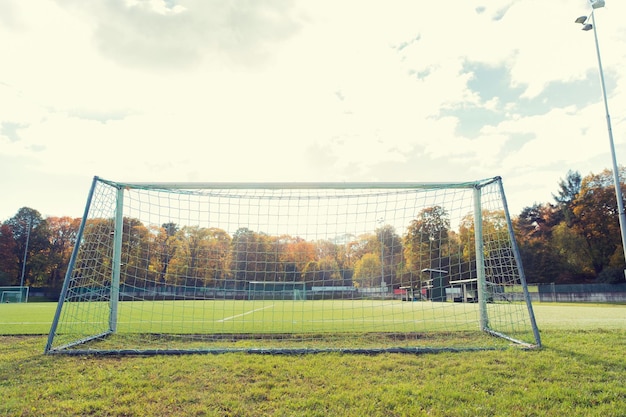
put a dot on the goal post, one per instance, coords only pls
(293, 267)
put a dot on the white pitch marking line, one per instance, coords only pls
(244, 314)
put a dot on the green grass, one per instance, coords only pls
(580, 371)
(340, 324)
(26, 318)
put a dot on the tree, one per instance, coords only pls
(296, 253)
(137, 242)
(596, 220)
(200, 256)
(575, 258)
(367, 271)
(575, 239)
(219, 254)
(251, 258)
(496, 244)
(537, 221)
(425, 239)
(322, 273)
(63, 233)
(542, 259)
(391, 253)
(9, 259)
(361, 245)
(30, 232)
(569, 188)
(164, 240)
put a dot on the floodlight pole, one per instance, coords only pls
(595, 4)
(381, 221)
(30, 225)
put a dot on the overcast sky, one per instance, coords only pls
(319, 90)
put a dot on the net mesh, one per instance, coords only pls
(290, 268)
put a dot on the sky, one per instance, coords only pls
(324, 90)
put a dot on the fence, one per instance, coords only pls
(586, 293)
(590, 293)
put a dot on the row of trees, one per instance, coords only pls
(34, 250)
(574, 239)
(197, 256)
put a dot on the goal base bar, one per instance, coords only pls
(375, 349)
(67, 347)
(253, 351)
(517, 342)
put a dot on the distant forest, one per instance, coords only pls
(575, 239)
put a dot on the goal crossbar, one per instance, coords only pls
(301, 185)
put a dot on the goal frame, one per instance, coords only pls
(476, 186)
(22, 291)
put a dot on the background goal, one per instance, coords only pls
(14, 294)
(293, 267)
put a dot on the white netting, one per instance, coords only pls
(307, 267)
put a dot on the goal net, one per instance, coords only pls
(293, 267)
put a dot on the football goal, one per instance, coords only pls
(293, 268)
(15, 294)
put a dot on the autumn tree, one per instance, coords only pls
(496, 244)
(575, 260)
(596, 220)
(569, 189)
(251, 257)
(296, 253)
(200, 256)
(136, 252)
(336, 251)
(164, 240)
(534, 229)
(63, 232)
(30, 232)
(367, 271)
(219, 255)
(323, 272)
(391, 254)
(360, 246)
(9, 257)
(426, 240)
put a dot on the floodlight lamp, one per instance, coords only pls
(596, 4)
(588, 26)
(581, 19)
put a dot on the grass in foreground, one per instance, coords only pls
(576, 373)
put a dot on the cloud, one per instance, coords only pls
(195, 90)
(163, 35)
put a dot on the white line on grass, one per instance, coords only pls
(244, 314)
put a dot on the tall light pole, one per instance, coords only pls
(381, 221)
(596, 4)
(30, 225)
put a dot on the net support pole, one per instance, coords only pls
(70, 267)
(520, 267)
(480, 259)
(117, 259)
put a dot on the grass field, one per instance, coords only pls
(276, 324)
(580, 371)
(218, 316)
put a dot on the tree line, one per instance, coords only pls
(575, 239)
(195, 256)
